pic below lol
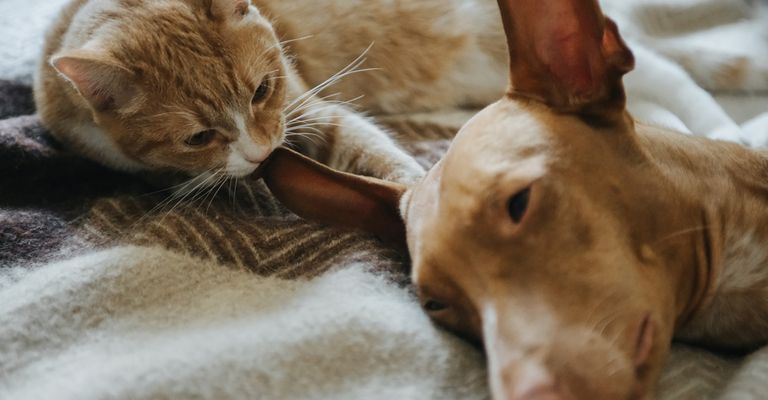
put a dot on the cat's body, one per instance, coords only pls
(429, 54)
(165, 84)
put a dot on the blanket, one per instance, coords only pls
(111, 289)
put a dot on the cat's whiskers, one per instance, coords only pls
(223, 183)
(169, 189)
(301, 118)
(177, 191)
(320, 106)
(203, 178)
(315, 101)
(316, 124)
(312, 93)
(317, 134)
(304, 134)
(201, 195)
(214, 192)
(290, 144)
(202, 186)
(311, 137)
(284, 42)
(298, 126)
(233, 184)
(351, 68)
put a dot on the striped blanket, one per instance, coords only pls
(107, 290)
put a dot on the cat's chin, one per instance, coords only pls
(244, 172)
(179, 180)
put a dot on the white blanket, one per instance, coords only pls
(146, 323)
(136, 322)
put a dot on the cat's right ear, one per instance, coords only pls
(104, 84)
(316, 192)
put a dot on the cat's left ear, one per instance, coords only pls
(225, 9)
(105, 84)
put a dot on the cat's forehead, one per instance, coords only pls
(184, 54)
(184, 37)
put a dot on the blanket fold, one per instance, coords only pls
(112, 288)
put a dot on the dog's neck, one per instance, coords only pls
(728, 186)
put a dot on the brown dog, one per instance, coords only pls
(573, 242)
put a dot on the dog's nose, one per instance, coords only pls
(530, 381)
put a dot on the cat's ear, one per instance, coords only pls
(565, 53)
(226, 9)
(105, 84)
(316, 192)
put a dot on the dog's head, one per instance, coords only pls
(545, 232)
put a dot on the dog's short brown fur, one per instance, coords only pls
(570, 240)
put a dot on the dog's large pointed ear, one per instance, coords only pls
(316, 192)
(565, 53)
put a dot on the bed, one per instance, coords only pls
(105, 295)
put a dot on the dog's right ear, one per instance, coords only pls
(566, 54)
(316, 192)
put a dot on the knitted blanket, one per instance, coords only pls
(111, 289)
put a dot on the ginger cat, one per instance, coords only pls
(207, 88)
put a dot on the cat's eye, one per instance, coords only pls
(432, 306)
(261, 92)
(518, 205)
(201, 139)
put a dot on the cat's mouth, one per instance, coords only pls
(280, 154)
(258, 173)
(241, 166)
(250, 170)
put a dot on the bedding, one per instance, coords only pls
(109, 291)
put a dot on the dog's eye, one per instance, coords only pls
(201, 139)
(261, 92)
(434, 306)
(518, 205)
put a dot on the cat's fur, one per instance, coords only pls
(129, 82)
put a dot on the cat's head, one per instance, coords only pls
(194, 86)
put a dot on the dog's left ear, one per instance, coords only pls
(567, 54)
(316, 192)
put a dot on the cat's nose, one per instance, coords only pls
(257, 157)
(251, 151)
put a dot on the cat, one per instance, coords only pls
(207, 88)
